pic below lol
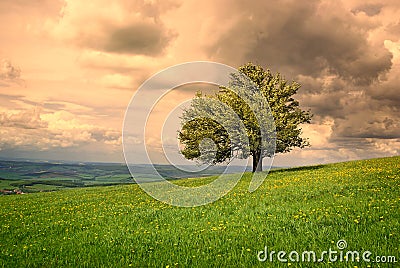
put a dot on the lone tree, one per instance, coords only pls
(283, 107)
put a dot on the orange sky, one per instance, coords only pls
(69, 68)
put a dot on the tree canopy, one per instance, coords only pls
(215, 139)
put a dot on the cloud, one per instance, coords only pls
(304, 38)
(42, 6)
(387, 91)
(28, 119)
(117, 63)
(35, 130)
(386, 147)
(368, 9)
(143, 39)
(359, 112)
(9, 74)
(346, 150)
(358, 125)
(121, 27)
(318, 134)
(359, 115)
(117, 81)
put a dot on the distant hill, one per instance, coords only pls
(33, 176)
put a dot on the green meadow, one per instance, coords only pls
(300, 209)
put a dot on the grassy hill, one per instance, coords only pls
(302, 209)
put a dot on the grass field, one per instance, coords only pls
(308, 208)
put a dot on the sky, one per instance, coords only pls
(68, 70)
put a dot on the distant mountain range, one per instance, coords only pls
(30, 175)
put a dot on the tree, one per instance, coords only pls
(283, 107)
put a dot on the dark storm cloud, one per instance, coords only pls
(143, 38)
(356, 114)
(139, 38)
(329, 50)
(303, 37)
(387, 92)
(364, 126)
(137, 29)
(326, 104)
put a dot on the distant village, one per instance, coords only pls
(9, 192)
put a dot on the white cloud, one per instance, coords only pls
(28, 119)
(319, 134)
(386, 147)
(43, 131)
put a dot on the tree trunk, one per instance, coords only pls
(257, 161)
